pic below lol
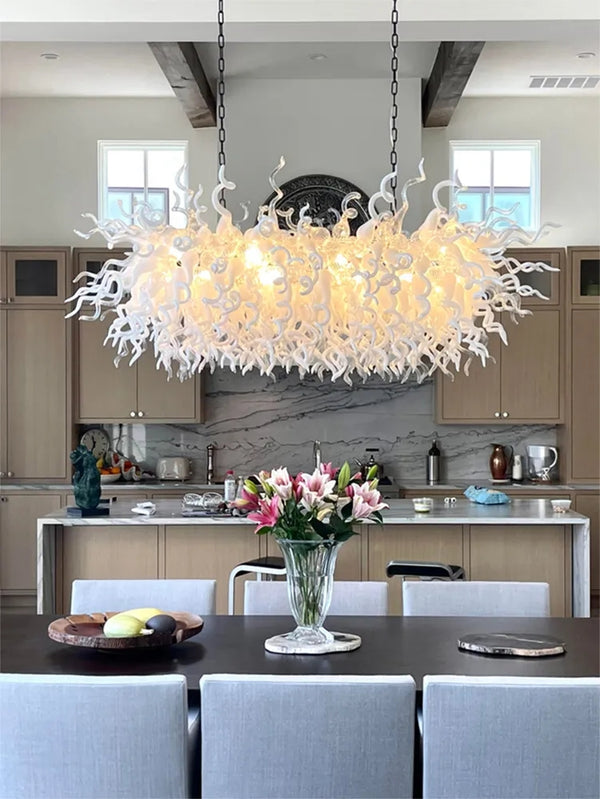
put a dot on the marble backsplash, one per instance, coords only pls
(257, 423)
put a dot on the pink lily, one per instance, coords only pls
(267, 514)
(248, 500)
(327, 468)
(315, 487)
(281, 482)
(365, 500)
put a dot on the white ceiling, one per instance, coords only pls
(120, 69)
(505, 68)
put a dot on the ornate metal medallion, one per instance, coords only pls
(324, 195)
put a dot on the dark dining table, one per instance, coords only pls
(235, 644)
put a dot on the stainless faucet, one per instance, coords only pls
(317, 453)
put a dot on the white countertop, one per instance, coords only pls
(401, 511)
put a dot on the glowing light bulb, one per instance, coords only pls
(268, 275)
(341, 260)
(253, 256)
(203, 275)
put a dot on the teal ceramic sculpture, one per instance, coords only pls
(86, 478)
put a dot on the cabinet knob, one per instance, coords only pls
(2, 300)
(10, 474)
(10, 299)
(505, 414)
(132, 413)
(140, 413)
(497, 414)
(4, 499)
(1, 474)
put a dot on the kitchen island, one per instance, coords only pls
(523, 540)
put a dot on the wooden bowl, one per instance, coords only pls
(85, 629)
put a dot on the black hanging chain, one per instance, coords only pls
(221, 88)
(394, 92)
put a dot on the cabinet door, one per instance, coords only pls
(585, 394)
(524, 553)
(160, 399)
(584, 266)
(443, 544)
(36, 276)
(588, 504)
(107, 552)
(36, 394)
(18, 538)
(106, 393)
(472, 398)
(3, 392)
(530, 370)
(546, 282)
(209, 552)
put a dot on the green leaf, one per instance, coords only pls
(264, 530)
(372, 473)
(377, 516)
(346, 510)
(344, 475)
(250, 486)
(345, 535)
(324, 530)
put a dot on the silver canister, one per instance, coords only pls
(433, 465)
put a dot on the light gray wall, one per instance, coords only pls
(569, 134)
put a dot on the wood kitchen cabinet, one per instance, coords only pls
(137, 393)
(523, 386)
(19, 512)
(549, 283)
(208, 552)
(544, 555)
(34, 275)
(106, 552)
(443, 544)
(35, 394)
(584, 267)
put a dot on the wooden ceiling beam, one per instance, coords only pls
(181, 66)
(451, 71)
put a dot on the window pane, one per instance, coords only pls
(156, 198)
(163, 165)
(474, 167)
(512, 168)
(507, 199)
(113, 210)
(476, 205)
(125, 167)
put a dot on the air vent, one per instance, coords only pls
(564, 81)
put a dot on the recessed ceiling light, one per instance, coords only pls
(586, 54)
(50, 56)
(317, 57)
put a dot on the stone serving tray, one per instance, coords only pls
(512, 644)
(83, 629)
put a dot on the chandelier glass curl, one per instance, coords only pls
(324, 301)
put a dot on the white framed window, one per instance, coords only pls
(131, 172)
(499, 174)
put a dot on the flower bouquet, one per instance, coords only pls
(310, 515)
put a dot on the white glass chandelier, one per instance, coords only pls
(324, 301)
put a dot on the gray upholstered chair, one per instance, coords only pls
(350, 598)
(475, 598)
(94, 737)
(517, 737)
(306, 737)
(190, 596)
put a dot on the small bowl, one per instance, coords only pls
(422, 504)
(560, 505)
(109, 478)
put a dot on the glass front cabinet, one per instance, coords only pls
(584, 267)
(34, 275)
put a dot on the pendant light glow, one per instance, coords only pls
(327, 302)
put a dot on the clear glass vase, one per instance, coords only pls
(310, 566)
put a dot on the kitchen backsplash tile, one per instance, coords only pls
(257, 423)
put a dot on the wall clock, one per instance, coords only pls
(96, 440)
(324, 195)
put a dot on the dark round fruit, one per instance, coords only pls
(162, 623)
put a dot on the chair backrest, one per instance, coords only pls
(511, 737)
(189, 596)
(350, 598)
(93, 737)
(317, 736)
(475, 598)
